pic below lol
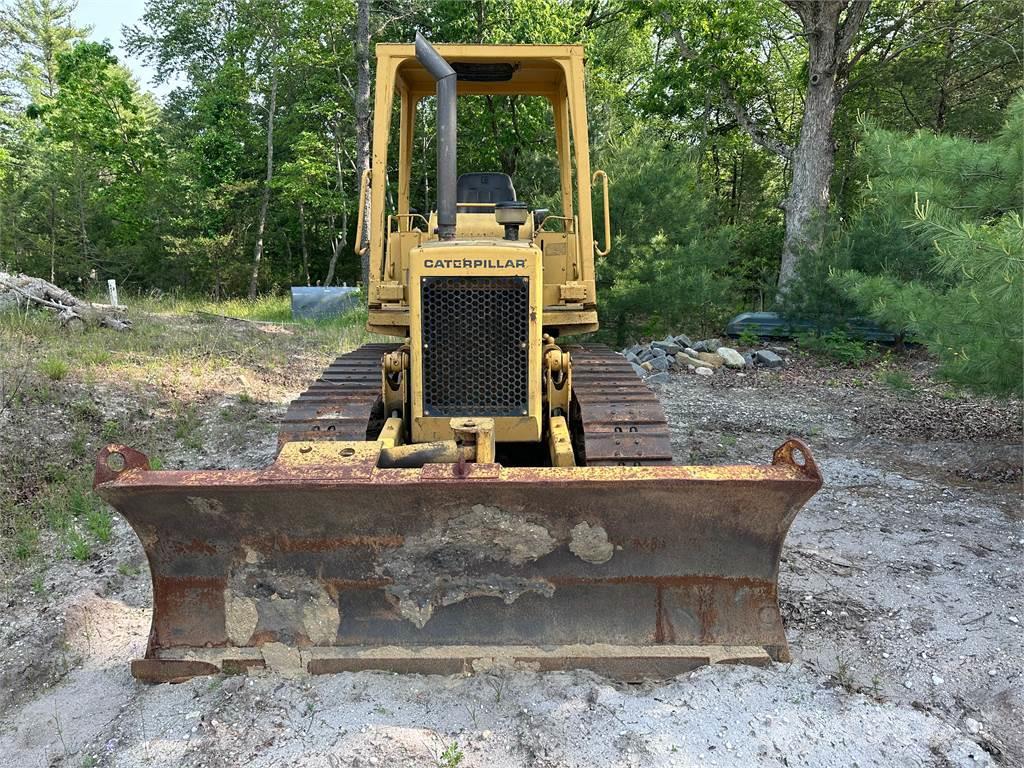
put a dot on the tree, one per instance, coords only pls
(38, 31)
(728, 56)
(362, 107)
(963, 204)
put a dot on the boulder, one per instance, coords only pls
(657, 351)
(660, 363)
(732, 358)
(644, 355)
(647, 366)
(781, 351)
(669, 346)
(639, 371)
(686, 359)
(683, 341)
(768, 359)
(710, 359)
(702, 371)
(658, 378)
(748, 359)
(708, 345)
(690, 351)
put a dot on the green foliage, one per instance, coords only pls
(748, 338)
(78, 546)
(451, 757)
(838, 346)
(961, 201)
(896, 380)
(668, 268)
(54, 368)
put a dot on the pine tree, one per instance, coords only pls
(964, 202)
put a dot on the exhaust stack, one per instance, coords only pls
(446, 78)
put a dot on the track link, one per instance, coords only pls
(341, 404)
(622, 421)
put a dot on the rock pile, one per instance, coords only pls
(654, 361)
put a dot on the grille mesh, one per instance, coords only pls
(476, 358)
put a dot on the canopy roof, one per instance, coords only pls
(529, 70)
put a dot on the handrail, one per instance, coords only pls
(360, 249)
(566, 220)
(607, 216)
(410, 217)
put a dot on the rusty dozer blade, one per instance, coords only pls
(325, 562)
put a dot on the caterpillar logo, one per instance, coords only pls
(474, 263)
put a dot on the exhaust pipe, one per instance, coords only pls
(445, 76)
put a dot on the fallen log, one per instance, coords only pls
(23, 291)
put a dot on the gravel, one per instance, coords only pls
(900, 586)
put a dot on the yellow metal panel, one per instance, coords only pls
(578, 117)
(378, 179)
(560, 110)
(407, 119)
(523, 428)
(560, 443)
(391, 433)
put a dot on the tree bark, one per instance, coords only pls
(828, 42)
(261, 223)
(338, 239)
(17, 290)
(813, 162)
(362, 110)
(302, 241)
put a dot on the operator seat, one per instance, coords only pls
(487, 188)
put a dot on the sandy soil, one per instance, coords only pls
(901, 592)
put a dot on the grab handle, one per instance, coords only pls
(607, 215)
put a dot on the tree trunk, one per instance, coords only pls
(362, 109)
(261, 224)
(829, 39)
(337, 240)
(53, 234)
(302, 241)
(813, 161)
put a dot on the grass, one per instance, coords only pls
(54, 368)
(899, 381)
(748, 339)
(65, 395)
(265, 309)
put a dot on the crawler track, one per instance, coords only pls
(342, 403)
(622, 422)
(617, 421)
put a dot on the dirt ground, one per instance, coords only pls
(900, 588)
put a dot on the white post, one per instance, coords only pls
(112, 292)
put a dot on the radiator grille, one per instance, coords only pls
(476, 357)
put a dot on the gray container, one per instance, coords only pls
(320, 303)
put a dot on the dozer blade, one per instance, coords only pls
(324, 562)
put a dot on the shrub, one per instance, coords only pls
(837, 345)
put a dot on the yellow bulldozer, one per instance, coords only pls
(477, 491)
